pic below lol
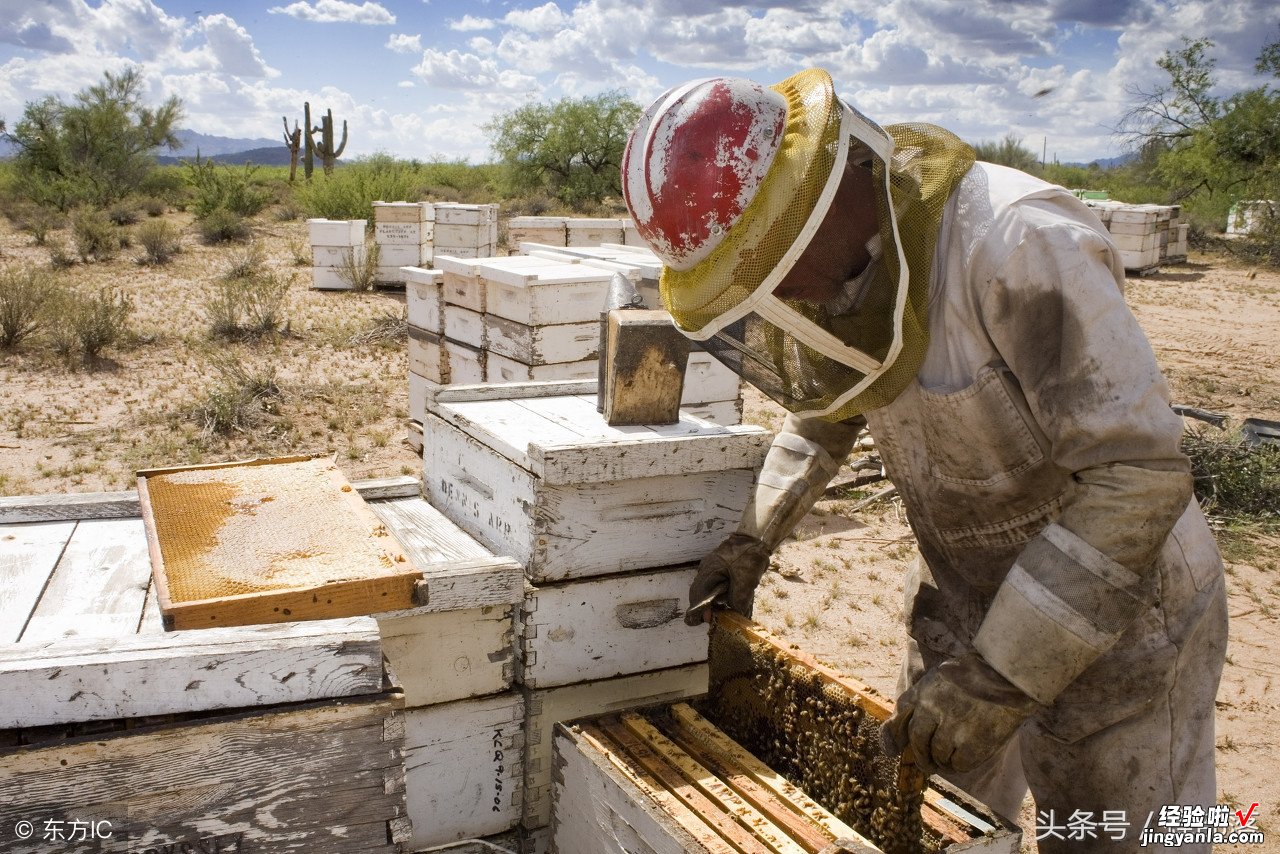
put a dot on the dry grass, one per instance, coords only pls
(78, 430)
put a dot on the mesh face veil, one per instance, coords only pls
(833, 359)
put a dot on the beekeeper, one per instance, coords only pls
(1067, 616)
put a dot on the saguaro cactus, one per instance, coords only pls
(324, 148)
(308, 159)
(292, 141)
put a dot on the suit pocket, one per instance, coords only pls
(979, 436)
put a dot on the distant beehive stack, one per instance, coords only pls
(1146, 235)
(403, 233)
(570, 231)
(1245, 216)
(465, 231)
(335, 243)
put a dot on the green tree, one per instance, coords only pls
(571, 148)
(1008, 152)
(1210, 151)
(96, 149)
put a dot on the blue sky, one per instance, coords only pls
(419, 79)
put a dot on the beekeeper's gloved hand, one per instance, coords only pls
(728, 576)
(958, 716)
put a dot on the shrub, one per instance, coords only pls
(123, 213)
(25, 294)
(225, 188)
(350, 190)
(221, 226)
(360, 274)
(250, 306)
(59, 257)
(89, 323)
(39, 221)
(153, 206)
(1234, 481)
(239, 399)
(95, 235)
(246, 262)
(159, 241)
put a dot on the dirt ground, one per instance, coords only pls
(837, 588)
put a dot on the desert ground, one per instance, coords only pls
(336, 385)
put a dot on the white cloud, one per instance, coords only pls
(456, 70)
(406, 84)
(233, 48)
(337, 11)
(403, 43)
(470, 23)
(138, 26)
(544, 19)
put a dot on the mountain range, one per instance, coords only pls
(224, 149)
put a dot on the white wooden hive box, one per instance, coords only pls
(546, 481)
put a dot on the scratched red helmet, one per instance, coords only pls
(695, 161)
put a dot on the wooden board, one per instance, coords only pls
(28, 555)
(154, 674)
(423, 301)
(450, 655)
(466, 363)
(464, 325)
(99, 585)
(428, 358)
(708, 379)
(548, 706)
(506, 370)
(579, 530)
(313, 778)
(463, 768)
(604, 627)
(724, 412)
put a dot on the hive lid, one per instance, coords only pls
(267, 541)
(554, 431)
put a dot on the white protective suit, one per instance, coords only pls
(1038, 460)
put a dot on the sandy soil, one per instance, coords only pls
(837, 588)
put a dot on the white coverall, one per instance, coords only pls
(1037, 439)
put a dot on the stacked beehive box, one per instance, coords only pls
(558, 231)
(1146, 235)
(403, 232)
(465, 231)
(335, 244)
(607, 523)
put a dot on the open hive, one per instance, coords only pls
(267, 541)
(782, 755)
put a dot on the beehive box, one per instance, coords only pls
(539, 229)
(549, 706)
(613, 625)
(336, 232)
(324, 776)
(535, 473)
(586, 231)
(464, 768)
(424, 302)
(782, 755)
(501, 369)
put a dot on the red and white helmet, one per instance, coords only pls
(695, 160)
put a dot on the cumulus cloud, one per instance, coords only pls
(233, 49)
(470, 23)
(36, 35)
(336, 11)
(466, 71)
(544, 19)
(402, 43)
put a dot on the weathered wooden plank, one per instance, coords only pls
(504, 370)
(28, 555)
(99, 585)
(605, 627)
(550, 388)
(606, 801)
(428, 537)
(542, 345)
(548, 706)
(152, 674)
(463, 767)
(122, 505)
(451, 655)
(308, 778)
(738, 447)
